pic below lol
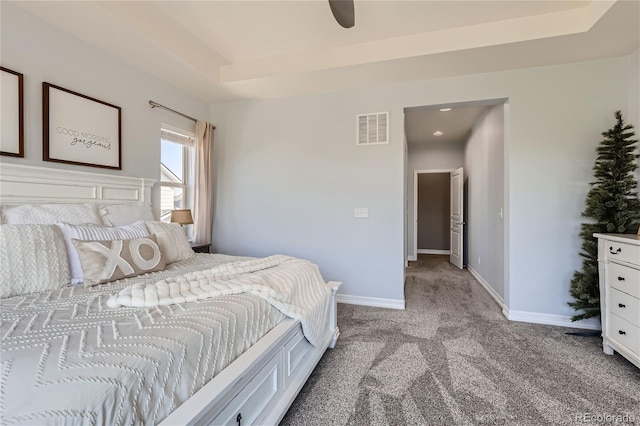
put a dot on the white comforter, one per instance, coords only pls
(294, 286)
(68, 358)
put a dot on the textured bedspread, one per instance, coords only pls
(69, 359)
(294, 286)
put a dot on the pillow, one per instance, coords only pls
(125, 214)
(89, 233)
(50, 214)
(33, 258)
(172, 240)
(104, 261)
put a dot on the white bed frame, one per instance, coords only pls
(259, 386)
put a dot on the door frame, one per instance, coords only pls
(415, 202)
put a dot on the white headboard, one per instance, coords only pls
(21, 184)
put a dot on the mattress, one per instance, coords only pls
(66, 358)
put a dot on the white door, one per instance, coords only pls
(457, 181)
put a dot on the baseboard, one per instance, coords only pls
(412, 258)
(487, 287)
(534, 317)
(551, 319)
(429, 251)
(370, 301)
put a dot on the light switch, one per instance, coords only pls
(361, 212)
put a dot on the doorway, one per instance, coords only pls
(438, 212)
(444, 137)
(432, 195)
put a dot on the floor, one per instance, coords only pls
(451, 358)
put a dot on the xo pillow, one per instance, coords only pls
(172, 240)
(104, 261)
(33, 258)
(90, 233)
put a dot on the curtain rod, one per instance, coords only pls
(157, 105)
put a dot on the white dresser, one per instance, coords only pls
(619, 268)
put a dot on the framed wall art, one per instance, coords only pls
(78, 129)
(12, 107)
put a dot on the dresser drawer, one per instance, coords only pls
(622, 252)
(625, 306)
(625, 333)
(624, 279)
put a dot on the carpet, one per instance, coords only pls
(451, 358)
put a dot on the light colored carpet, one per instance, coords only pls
(451, 358)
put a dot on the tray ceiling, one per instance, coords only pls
(226, 50)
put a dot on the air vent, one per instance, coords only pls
(373, 129)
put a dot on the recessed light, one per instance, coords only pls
(445, 109)
(438, 133)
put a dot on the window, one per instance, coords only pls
(176, 170)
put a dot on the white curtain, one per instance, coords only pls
(203, 197)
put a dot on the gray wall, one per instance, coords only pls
(427, 157)
(434, 196)
(44, 53)
(484, 157)
(289, 175)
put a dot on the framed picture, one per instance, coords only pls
(80, 130)
(12, 107)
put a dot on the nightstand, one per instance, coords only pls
(201, 248)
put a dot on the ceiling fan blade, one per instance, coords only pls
(344, 12)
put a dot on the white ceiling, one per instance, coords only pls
(225, 50)
(420, 123)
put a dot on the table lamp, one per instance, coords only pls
(182, 216)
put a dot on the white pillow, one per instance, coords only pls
(172, 240)
(125, 214)
(50, 214)
(95, 233)
(33, 258)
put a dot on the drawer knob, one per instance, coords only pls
(620, 278)
(621, 305)
(622, 332)
(614, 252)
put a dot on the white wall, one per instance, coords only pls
(484, 180)
(289, 175)
(633, 115)
(427, 157)
(44, 53)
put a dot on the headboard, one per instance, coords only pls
(20, 184)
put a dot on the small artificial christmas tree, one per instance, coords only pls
(613, 204)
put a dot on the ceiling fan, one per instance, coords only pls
(344, 12)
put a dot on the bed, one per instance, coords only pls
(231, 359)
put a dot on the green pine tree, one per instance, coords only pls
(613, 204)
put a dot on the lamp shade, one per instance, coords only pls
(182, 216)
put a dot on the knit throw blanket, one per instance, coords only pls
(293, 286)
